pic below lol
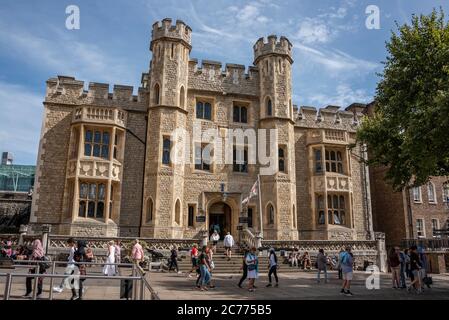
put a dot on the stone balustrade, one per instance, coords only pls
(100, 115)
(93, 168)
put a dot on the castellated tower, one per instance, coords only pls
(164, 182)
(274, 61)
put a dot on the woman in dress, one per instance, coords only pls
(253, 268)
(109, 269)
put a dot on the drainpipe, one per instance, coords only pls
(409, 213)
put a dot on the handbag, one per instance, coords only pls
(212, 265)
(428, 280)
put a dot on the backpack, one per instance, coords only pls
(45, 264)
(345, 259)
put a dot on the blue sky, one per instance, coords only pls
(336, 56)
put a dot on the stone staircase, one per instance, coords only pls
(223, 265)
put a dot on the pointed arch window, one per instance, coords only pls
(156, 94)
(269, 107)
(182, 97)
(431, 192)
(270, 214)
(149, 216)
(178, 212)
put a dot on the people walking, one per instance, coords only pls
(214, 239)
(395, 266)
(228, 244)
(80, 256)
(173, 260)
(138, 255)
(118, 255)
(321, 262)
(253, 268)
(244, 268)
(347, 261)
(109, 267)
(415, 268)
(194, 259)
(37, 254)
(402, 269)
(204, 269)
(340, 255)
(70, 268)
(272, 267)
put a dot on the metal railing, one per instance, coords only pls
(427, 244)
(140, 283)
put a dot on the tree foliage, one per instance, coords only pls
(409, 130)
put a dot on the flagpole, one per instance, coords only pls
(260, 206)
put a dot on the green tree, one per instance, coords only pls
(409, 130)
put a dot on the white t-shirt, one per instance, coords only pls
(71, 255)
(272, 261)
(215, 237)
(228, 241)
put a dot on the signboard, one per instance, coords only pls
(243, 219)
(200, 218)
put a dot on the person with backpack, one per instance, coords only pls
(253, 268)
(321, 265)
(173, 260)
(347, 261)
(70, 268)
(80, 256)
(37, 254)
(395, 265)
(244, 267)
(272, 267)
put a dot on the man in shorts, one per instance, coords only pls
(347, 260)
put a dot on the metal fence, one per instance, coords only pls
(140, 284)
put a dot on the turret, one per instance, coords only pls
(170, 45)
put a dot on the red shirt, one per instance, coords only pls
(194, 252)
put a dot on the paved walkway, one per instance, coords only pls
(301, 285)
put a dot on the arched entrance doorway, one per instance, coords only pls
(220, 218)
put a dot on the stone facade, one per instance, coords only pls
(103, 167)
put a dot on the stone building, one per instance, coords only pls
(418, 213)
(106, 162)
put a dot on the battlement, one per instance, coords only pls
(69, 90)
(165, 30)
(230, 69)
(327, 117)
(272, 47)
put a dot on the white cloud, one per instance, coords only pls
(313, 31)
(21, 117)
(344, 95)
(61, 54)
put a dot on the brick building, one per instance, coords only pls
(106, 160)
(411, 214)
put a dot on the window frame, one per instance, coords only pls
(241, 167)
(282, 159)
(202, 166)
(191, 223)
(335, 209)
(330, 164)
(431, 185)
(270, 214)
(93, 144)
(423, 231)
(204, 102)
(163, 159)
(239, 107)
(96, 200)
(415, 200)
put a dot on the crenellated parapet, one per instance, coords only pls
(163, 30)
(68, 90)
(233, 78)
(332, 117)
(272, 47)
